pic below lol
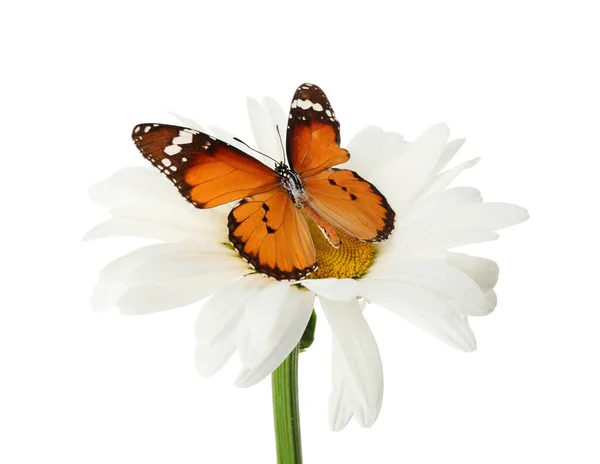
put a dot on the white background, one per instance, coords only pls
(518, 79)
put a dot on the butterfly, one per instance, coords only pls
(268, 226)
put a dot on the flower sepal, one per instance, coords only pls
(308, 337)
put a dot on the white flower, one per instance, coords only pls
(413, 274)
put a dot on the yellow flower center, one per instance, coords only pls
(351, 260)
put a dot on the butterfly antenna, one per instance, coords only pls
(281, 142)
(259, 152)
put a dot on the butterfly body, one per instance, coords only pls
(292, 185)
(268, 225)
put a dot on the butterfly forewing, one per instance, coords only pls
(313, 133)
(208, 172)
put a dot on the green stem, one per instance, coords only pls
(284, 382)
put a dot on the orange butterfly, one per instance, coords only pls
(267, 226)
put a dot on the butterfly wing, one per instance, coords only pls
(346, 200)
(207, 171)
(339, 197)
(313, 133)
(271, 234)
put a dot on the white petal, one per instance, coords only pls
(394, 144)
(438, 277)
(218, 321)
(490, 303)
(362, 148)
(448, 153)
(441, 181)
(423, 309)
(410, 173)
(151, 298)
(438, 203)
(264, 129)
(495, 216)
(358, 375)
(139, 292)
(116, 276)
(439, 236)
(144, 264)
(189, 266)
(280, 119)
(488, 306)
(333, 289)
(383, 165)
(127, 227)
(262, 352)
(262, 314)
(186, 122)
(142, 193)
(459, 226)
(106, 294)
(211, 358)
(220, 315)
(483, 271)
(372, 151)
(340, 401)
(136, 182)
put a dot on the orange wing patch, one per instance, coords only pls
(315, 148)
(271, 234)
(208, 172)
(222, 175)
(313, 133)
(349, 202)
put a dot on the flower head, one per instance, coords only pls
(411, 274)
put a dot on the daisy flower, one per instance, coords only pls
(411, 274)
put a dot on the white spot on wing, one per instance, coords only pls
(147, 129)
(305, 104)
(328, 113)
(317, 107)
(137, 129)
(166, 162)
(181, 140)
(172, 150)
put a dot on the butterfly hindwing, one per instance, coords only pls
(268, 230)
(313, 133)
(208, 172)
(346, 200)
